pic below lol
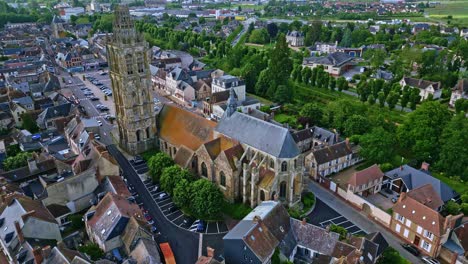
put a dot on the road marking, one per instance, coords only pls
(330, 220)
(217, 226)
(178, 218)
(341, 222)
(356, 232)
(172, 212)
(349, 227)
(171, 203)
(206, 230)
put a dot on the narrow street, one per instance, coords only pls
(356, 217)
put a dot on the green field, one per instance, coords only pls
(458, 9)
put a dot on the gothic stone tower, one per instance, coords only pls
(128, 55)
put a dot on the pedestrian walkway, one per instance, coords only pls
(356, 217)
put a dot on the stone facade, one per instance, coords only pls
(129, 55)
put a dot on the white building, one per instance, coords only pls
(227, 82)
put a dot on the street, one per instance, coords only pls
(356, 217)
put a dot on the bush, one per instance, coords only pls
(15, 162)
(340, 230)
(236, 210)
(464, 208)
(76, 221)
(157, 164)
(92, 250)
(308, 199)
(390, 255)
(452, 208)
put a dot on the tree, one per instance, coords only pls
(29, 123)
(313, 113)
(157, 163)
(452, 208)
(332, 83)
(207, 201)
(421, 130)
(356, 125)
(340, 230)
(392, 99)
(376, 57)
(15, 162)
(390, 255)
(405, 97)
(454, 153)
(313, 33)
(259, 36)
(371, 99)
(382, 99)
(182, 196)
(263, 83)
(272, 29)
(461, 105)
(346, 41)
(378, 146)
(171, 176)
(280, 64)
(92, 250)
(283, 94)
(306, 75)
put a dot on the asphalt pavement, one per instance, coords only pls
(184, 244)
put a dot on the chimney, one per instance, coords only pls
(347, 141)
(256, 219)
(401, 167)
(19, 232)
(307, 125)
(425, 166)
(210, 252)
(402, 196)
(37, 253)
(28, 214)
(46, 251)
(91, 135)
(32, 165)
(304, 221)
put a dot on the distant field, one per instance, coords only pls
(457, 9)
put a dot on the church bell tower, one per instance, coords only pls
(128, 55)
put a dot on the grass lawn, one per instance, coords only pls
(457, 9)
(283, 118)
(459, 187)
(261, 99)
(236, 210)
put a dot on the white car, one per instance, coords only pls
(162, 195)
(99, 122)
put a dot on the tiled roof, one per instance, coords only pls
(414, 178)
(420, 83)
(367, 175)
(58, 210)
(234, 154)
(112, 215)
(34, 208)
(426, 195)
(183, 156)
(119, 186)
(332, 152)
(181, 127)
(215, 146)
(313, 237)
(264, 136)
(333, 59)
(420, 214)
(462, 86)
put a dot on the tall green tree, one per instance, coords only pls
(157, 163)
(421, 130)
(378, 146)
(454, 152)
(313, 113)
(171, 176)
(182, 194)
(356, 125)
(207, 200)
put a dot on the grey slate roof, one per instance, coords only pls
(414, 178)
(264, 136)
(334, 59)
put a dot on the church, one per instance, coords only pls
(251, 160)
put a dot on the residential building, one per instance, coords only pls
(56, 117)
(421, 225)
(426, 88)
(455, 250)
(227, 82)
(406, 178)
(255, 238)
(334, 63)
(115, 223)
(419, 27)
(308, 138)
(464, 33)
(366, 182)
(322, 47)
(129, 56)
(61, 254)
(327, 160)
(25, 223)
(295, 38)
(460, 91)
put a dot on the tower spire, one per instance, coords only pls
(231, 103)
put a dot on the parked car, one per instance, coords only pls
(99, 122)
(201, 226)
(162, 196)
(97, 136)
(429, 260)
(154, 229)
(172, 209)
(94, 98)
(411, 249)
(395, 199)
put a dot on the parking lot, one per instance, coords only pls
(173, 214)
(323, 215)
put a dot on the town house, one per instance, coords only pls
(426, 88)
(334, 64)
(460, 91)
(366, 182)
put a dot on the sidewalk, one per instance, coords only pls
(356, 217)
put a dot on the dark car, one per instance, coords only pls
(411, 249)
